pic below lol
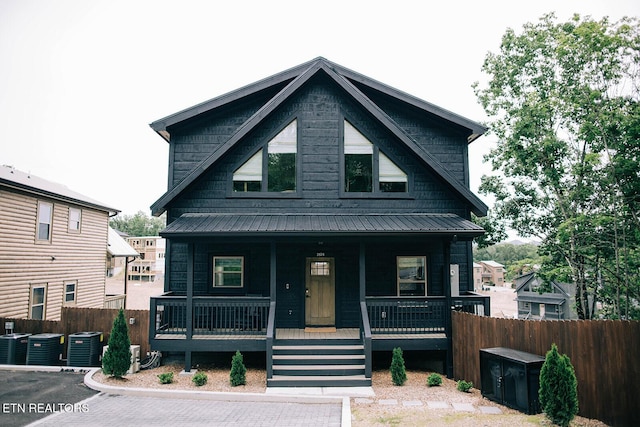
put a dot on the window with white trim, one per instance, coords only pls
(70, 293)
(75, 219)
(38, 302)
(45, 219)
(412, 275)
(271, 168)
(228, 271)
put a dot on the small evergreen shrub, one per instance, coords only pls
(434, 380)
(558, 391)
(464, 386)
(398, 371)
(166, 378)
(238, 375)
(199, 379)
(117, 358)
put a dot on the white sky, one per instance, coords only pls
(80, 80)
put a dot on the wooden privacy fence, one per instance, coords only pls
(604, 353)
(74, 320)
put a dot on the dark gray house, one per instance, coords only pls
(317, 216)
(556, 303)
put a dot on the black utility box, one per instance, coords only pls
(13, 349)
(45, 349)
(84, 349)
(511, 377)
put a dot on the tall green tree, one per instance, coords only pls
(563, 101)
(558, 391)
(117, 358)
(138, 225)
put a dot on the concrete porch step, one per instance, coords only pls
(315, 370)
(312, 359)
(319, 381)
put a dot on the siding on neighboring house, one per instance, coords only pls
(69, 257)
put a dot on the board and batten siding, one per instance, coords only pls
(68, 257)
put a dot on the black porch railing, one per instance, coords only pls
(423, 315)
(211, 315)
(250, 315)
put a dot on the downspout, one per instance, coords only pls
(189, 331)
(446, 283)
(126, 276)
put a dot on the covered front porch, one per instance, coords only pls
(247, 282)
(227, 324)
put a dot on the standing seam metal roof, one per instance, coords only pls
(221, 224)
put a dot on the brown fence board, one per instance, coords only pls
(604, 354)
(74, 320)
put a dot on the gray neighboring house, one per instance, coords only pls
(555, 305)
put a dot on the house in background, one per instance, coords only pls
(52, 247)
(119, 255)
(318, 216)
(477, 276)
(489, 273)
(149, 266)
(556, 304)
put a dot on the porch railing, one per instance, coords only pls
(473, 303)
(393, 315)
(211, 315)
(114, 301)
(406, 316)
(365, 335)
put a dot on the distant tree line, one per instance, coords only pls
(518, 259)
(138, 225)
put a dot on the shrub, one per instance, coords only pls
(558, 391)
(464, 386)
(166, 378)
(434, 380)
(238, 375)
(199, 379)
(117, 358)
(398, 371)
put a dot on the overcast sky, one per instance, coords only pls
(81, 80)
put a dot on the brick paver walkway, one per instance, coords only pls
(116, 410)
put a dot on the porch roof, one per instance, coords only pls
(300, 224)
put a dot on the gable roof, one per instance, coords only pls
(292, 80)
(118, 247)
(28, 183)
(534, 279)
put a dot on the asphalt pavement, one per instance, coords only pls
(63, 397)
(27, 396)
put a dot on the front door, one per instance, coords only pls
(320, 301)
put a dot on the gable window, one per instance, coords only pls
(75, 217)
(69, 293)
(412, 277)
(228, 272)
(45, 216)
(358, 161)
(37, 302)
(272, 168)
(367, 169)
